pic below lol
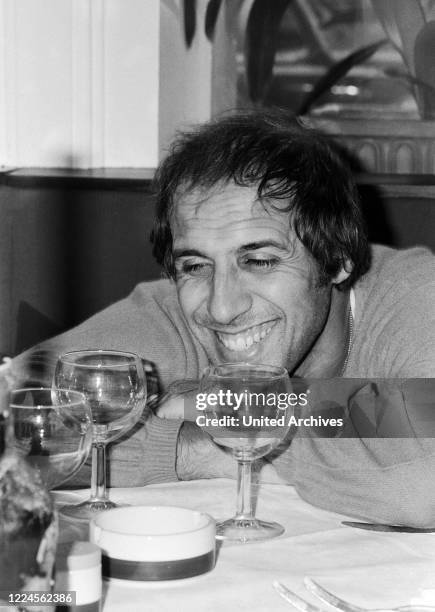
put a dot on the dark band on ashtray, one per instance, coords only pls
(90, 607)
(123, 569)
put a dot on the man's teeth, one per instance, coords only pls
(243, 341)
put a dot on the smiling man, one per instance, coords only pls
(258, 224)
(248, 288)
(259, 230)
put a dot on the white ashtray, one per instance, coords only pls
(154, 543)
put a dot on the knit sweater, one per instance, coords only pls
(394, 336)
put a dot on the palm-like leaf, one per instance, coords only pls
(189, 21)
(385, 11)
(424, 58)
(411, 80)
(338, 71)
(410, 19)
(401, 20)
(211, 16)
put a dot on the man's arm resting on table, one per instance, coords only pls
(199, 457)
(383, 471)
(382, 480)
(387, 481)
(164, 450)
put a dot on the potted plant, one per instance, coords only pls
(386, 145)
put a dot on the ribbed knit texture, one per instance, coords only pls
(385, 480)
(150, 324)
(394, 336)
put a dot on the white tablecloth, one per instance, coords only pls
(368, 568)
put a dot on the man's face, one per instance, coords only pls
(247, 286)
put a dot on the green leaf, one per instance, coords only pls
(261, 44)
(338, 71)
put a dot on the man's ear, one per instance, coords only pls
(343, 273)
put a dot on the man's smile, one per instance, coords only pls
(243, 340)
(248, 289)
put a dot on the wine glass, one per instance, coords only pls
(245, 408)
(51, 429)
(114, 384)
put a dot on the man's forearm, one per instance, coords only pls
(381, 480)
(199, 457)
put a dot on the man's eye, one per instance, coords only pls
(263, 264)
(192, 269)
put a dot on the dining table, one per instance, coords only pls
(373, 569)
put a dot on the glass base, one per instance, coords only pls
(87, 509)
(247, 530)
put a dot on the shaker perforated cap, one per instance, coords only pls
(77, 556)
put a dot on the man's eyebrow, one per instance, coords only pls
(186, 253)
(261, 244)
(251, 246)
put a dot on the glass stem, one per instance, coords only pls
(98, 478)
(244, 478)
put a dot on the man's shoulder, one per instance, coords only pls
(399, 268)
(148, 322)
(162, 292)
(395, 315)
(399, 285)
(407, 257)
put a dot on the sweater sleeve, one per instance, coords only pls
(384, 475)
(148, 324)
(145, 455)
(148, 455)
(386, 481)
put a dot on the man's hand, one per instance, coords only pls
(179, 401)
(199, 457)
(177, 407)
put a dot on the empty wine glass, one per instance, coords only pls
(246, 409)
(51, 429)
(114, 384)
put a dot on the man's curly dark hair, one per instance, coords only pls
(284, 161)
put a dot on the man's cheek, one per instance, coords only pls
(186, 308)
(189, 303)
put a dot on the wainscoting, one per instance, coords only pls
(71, 243)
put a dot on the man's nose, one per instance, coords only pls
(228, 299)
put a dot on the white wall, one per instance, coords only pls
(185, 74)
(197, 82)
(79, 83)
(104, 83)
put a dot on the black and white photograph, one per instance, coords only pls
(217, 305)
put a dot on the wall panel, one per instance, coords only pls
(80, 83)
